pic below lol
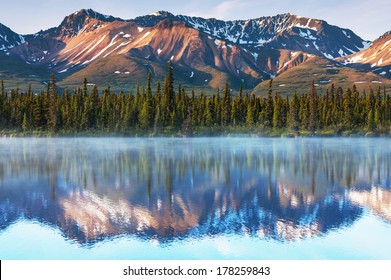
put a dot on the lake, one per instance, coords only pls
(195, 198)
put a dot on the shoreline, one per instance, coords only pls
(199, 132)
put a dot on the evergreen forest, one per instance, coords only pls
(171, 110)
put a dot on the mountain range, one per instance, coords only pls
(205, 53)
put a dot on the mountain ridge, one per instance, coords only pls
(266, 30)
(377, 58)
(9, 39)
(206, 52)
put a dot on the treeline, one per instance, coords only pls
(178, 111)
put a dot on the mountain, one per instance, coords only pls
(285, 31)
(79, 22)
(85, 42)
(9, 39)
(13, 69)
(323, 72)
(205, 52)
(377, 58)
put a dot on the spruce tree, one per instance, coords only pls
(193, 107)
(187, 127)
(386, 108)
(347, 109)
(241, 107)
(53, 112)
(304, 111)
(119, 112)
(168, 102)
(209, 113)
(312, 109)
(294, 113)
(356, 107)
(217, 107)
(325, 116)
(104, 111)
(86, 118)
(371, 121)
(85, 86)
(378, 111)
(66, 110)
(24, 122)
(2, 88)
(226, 110)
(147, 114)
(95, 106)
(235, 112)
(269, 106)
(250, 116)
(128, 112)
(278, 112)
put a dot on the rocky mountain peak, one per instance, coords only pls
(84, 20)
(164, 14)
(207, 51)
(9, 39)
(89, 13)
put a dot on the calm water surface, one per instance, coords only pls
(203, 198)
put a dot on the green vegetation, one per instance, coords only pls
(168, 112)
(324, 73)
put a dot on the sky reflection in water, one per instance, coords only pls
(215, 197)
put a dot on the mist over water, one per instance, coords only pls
(162, 194)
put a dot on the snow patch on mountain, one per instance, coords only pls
(142, 38)
(97, 43)
(103, 50)
(341, 52)
(305, 26)
(366, 45)
(121, 45)
(346, 34)
(315, 45)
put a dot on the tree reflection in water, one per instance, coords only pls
(164, 189)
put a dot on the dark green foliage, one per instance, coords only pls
(348, 109)
(226, 106)
(147, 114)
(155, 112)
(168, 98)
(268, 120)
(250, 116)
(313, 109)
(278, 112)
(294, 121)
(53, 116)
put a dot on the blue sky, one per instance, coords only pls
(368, 19)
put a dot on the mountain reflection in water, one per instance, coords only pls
(165, 189)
